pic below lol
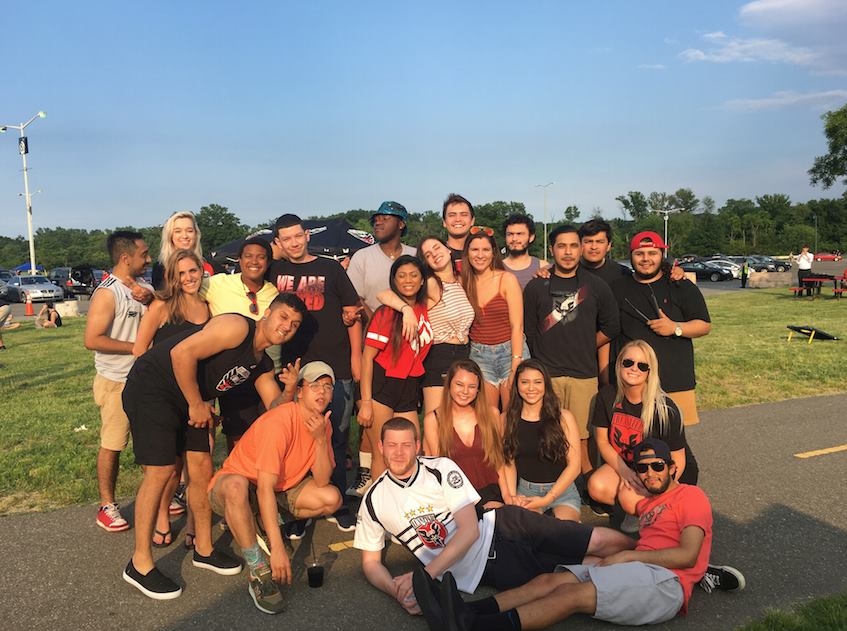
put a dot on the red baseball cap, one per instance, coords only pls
(647, 239)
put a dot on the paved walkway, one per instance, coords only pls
(779, 518)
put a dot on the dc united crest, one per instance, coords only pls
(432, 533)
(454, 479)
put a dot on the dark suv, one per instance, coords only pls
(76, 281)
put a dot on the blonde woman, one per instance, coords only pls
(466, 429)
(629, 411)
(180, 232)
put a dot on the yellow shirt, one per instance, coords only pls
(226, 293)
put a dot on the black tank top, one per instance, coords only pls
(528, 461)
(215, 375)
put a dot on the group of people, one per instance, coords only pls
(513, 367)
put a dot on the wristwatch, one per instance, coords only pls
(678, 331)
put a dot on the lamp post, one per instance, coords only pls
(23, 147)
(544, 186)
(665, 214)
(816, 233)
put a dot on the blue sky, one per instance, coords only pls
(319, 107)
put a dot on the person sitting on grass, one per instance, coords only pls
(48, 317)
(648, 585)
(284, 458)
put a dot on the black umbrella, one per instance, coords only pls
(336, 238)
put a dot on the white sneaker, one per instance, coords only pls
(361, 485)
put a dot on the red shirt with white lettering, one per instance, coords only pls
(410, 357)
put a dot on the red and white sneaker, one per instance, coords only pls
(109, 519)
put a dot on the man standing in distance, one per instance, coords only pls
(804, 268)
(666, 314)
(519, 232)
(112, 323)
(331, 332)
(457, 217)
(567, 317)
(369, 271)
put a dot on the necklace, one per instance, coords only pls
(393, 255)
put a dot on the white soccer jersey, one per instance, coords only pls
(419, 513)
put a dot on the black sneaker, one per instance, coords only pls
(344, 519)
(601, 510)
(265, 592)
(154, 584)
(219, 562)
(723, 578)
(296, 530)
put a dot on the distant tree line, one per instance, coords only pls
(769, 224)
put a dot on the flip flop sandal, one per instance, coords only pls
(167, 539)
(189, 541)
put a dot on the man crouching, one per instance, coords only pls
(284, 458)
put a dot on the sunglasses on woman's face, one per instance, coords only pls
(629, 363)
(254, 306)
(642, 467)
(489, 232)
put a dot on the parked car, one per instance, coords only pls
(37, 287)
(687, 258)
(707, 272)
(5, 275)
(4, 289)
(828, 256)
(733, 268)
(76, 281)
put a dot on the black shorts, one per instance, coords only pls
(527, 544)
(439, 359)
(158, 422)
(401, 395)
(239, 408)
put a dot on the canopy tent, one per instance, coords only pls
(334, 238)
(25, 267)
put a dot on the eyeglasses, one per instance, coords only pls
(642, 467)
(317, 387)
(254, 306)
(489, 232)
(629, 363)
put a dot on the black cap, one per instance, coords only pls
(659, 448)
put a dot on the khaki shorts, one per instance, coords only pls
(114, 425)
(686, 401)
(577, 396)
(286, 500)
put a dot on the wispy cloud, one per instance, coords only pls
(722, 48)
(783, 100)
(770, 14)
(651, 66)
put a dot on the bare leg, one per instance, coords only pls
(585, 461)
(199, 465)
(492, 393)
(146, 505)
(316, 501)
(603, 484)
(605, 541)
(233, 493)
(381, 413)
(566, 513)
(163, 518)
(566, 600)
(539, 587)
(432, 398)
(108, 462)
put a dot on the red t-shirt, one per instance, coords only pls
(663, 518)
(409, 362)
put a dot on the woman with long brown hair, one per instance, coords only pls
(468, 430)
(541, 446)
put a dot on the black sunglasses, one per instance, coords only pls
(629, 363)
(641, 467)
(254, 306)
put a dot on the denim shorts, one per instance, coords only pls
(536, 489)
(495, 360)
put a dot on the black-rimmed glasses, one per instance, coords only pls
(642, 467)
(629, 363)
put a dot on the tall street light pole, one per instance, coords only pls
(23, 147)
(665, 214)
(544, 186)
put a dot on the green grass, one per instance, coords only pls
(822, 614)
(45, 378)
